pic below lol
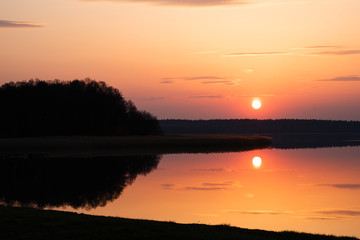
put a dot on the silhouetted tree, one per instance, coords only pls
(79, 107)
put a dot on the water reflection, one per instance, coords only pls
(307, 190)
(76, 182)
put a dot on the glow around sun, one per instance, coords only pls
(256, 104)
(256, 162)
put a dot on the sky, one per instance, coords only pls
(195, 59)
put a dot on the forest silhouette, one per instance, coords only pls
(40, 181)
(64, 108)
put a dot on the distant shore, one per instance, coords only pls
(31, 224)
(285, 133)
(120, 145)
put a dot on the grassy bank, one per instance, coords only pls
(27, 224)
(118, 145)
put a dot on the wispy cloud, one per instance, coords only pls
(233, 82)
(352, 78)
(209, 96)
(153, 98)
(185, 3)
(342, 186)
(277, 2)
(167, 82)
(257, 212)
(322, 218)
(254, 54)
(248, 70)
(18, 24)
(318, 47)
(252, 96)
(208, 169)
(322, 46)
(204, 78)
(341, 212)
(217, 82)
(224, 184)
(328, 214)
(329, 50)
(339, 53)
(208, 3)
(249, 195)
(194, 78)
(207, 186)
(319, 214)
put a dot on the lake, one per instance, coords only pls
(307, 190)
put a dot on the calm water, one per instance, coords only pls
(311, 190)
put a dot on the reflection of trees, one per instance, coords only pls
(80, 183)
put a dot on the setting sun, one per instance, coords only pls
(256, 104)
(256, 162)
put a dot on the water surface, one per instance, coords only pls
(311, 190)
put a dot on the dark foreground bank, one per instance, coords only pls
(27, 224)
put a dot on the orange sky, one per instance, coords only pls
(195, 58)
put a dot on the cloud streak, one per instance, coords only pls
(225, 184)
(327, 50)
(226, 82)
(18, 24)
(194, 78)
(210, 96)
(352, 78)
(330, 214)
(204, 78)
(154, 98)
(322, 218)
(183, 3)
(207, 186)
(339, 53)
(167, 82)
(318, 47)
(254, 54)
(257, 212)
(341, 212)
(342, 186)
(208, 169)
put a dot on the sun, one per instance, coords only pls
(256, 162)
(256, 104)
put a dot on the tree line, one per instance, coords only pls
(256, 126)
(78, 107)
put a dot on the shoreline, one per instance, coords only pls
(125, 145)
